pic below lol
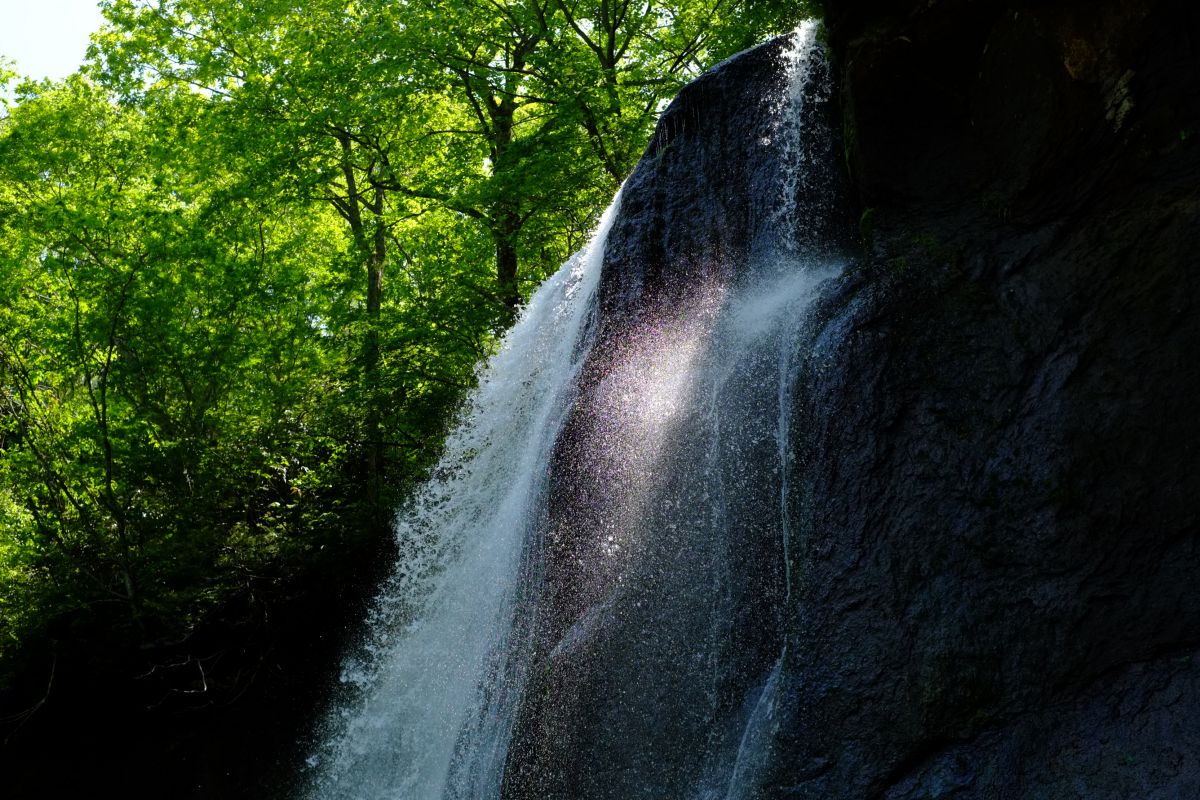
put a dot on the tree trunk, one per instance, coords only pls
(376, 457)
(507, 224)
(370, 238)
(506, 209)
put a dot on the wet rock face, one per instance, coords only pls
(998, 538)
(641, 591)
(994, 533)
(702, 199)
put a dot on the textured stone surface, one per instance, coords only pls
(994, 517)
(1133, 735)
(642, 666)
(997, 509)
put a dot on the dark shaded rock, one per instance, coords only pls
(994, 528)
(702, 199)
(1131, 735)
(1000, 455)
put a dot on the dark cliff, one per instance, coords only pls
(992, 522)
(997, 507)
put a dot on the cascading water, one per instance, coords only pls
(591, 594)
(441, 628)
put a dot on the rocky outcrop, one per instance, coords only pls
(992, 516)
(648, 635)
(998, 529)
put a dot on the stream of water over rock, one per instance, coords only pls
(484, 655)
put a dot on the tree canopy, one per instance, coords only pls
(250, 257)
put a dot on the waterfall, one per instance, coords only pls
(441, 625)
(580, 608)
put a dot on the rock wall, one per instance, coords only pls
(996, 449)
(1000, 451)
(642, 663)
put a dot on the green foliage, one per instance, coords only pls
(158, 357)
(248, 265)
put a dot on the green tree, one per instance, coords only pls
(509, 112)
(313, 112)
(246, 274)
(158, 354)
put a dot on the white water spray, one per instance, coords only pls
(431, 667)
(807, 83)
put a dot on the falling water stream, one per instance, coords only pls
(445, 613)
(688, 439)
